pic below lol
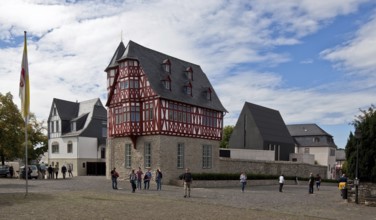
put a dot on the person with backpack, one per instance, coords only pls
(114, 176)
(132, 180)
(147, 178)
(187, 181)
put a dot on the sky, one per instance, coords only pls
(313, 61)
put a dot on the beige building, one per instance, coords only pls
(311, 139)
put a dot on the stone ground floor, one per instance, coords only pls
(90, 197)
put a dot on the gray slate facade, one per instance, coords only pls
(261, 128)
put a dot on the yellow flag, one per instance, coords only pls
(24, 84)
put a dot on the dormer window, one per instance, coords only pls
(189, 73)
(188, 89)
(73, 126)
(209, 94)
(167, 65)
(54, 111)
(167, 83)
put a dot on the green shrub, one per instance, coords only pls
(250, 176)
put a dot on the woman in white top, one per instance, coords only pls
(281, 182)
(243, 180)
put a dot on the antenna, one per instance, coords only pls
(121, 36)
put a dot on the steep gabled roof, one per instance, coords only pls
(66, 109)
(151, 61)
(270, 123)
(306, 130)
(82, 112)
(117, 55)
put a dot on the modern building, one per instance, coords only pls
(262, 129)
(77, 134)
(163, 113)
(311, 139)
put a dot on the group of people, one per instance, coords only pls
(136, 178)
(281, 181)
(53, 172)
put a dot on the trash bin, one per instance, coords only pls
(344, 193)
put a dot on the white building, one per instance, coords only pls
(77, 134)
(311, 139)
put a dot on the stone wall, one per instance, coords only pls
(286, 168)
(365, 190)
(164, 155)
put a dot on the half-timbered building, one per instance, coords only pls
(163, 113)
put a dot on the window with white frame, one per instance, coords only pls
(180, 155)
(52, 126)
(128, 155)
(57, 127)
(55, 148)
(206, 156)
(147, 155)
(70, 147)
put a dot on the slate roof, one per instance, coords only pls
(306, 130)
(151, 62)
(82, 112)
(304, 134)
(270, 123)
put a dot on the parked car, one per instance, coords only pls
(34, 172)
(4, 170)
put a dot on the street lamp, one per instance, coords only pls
(358, 136)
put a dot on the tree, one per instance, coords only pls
(12, 132)
(11, 128)
(366, 144)
(227, 131)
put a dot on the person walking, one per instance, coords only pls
(281, 182)
(70, 168)
(147, 178)
(243, 180)
(158, 179)
(63, 170)
(311, 181)
(114, 176)
(50, 172)
(187, 181)
(132, 180)
(318, 182)
(139, 178)
(56, 170)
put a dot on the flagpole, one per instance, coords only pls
(25, 104)
(26, 158)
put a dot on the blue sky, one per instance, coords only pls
(313, 61)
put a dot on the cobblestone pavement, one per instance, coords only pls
(258, 202)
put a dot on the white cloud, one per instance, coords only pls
(356, 55)
(71, 43)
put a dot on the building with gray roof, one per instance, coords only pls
(261, 128)
(77, 133)
(311, 139)
(163, 113)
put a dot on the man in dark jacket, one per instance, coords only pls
(187, 181)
